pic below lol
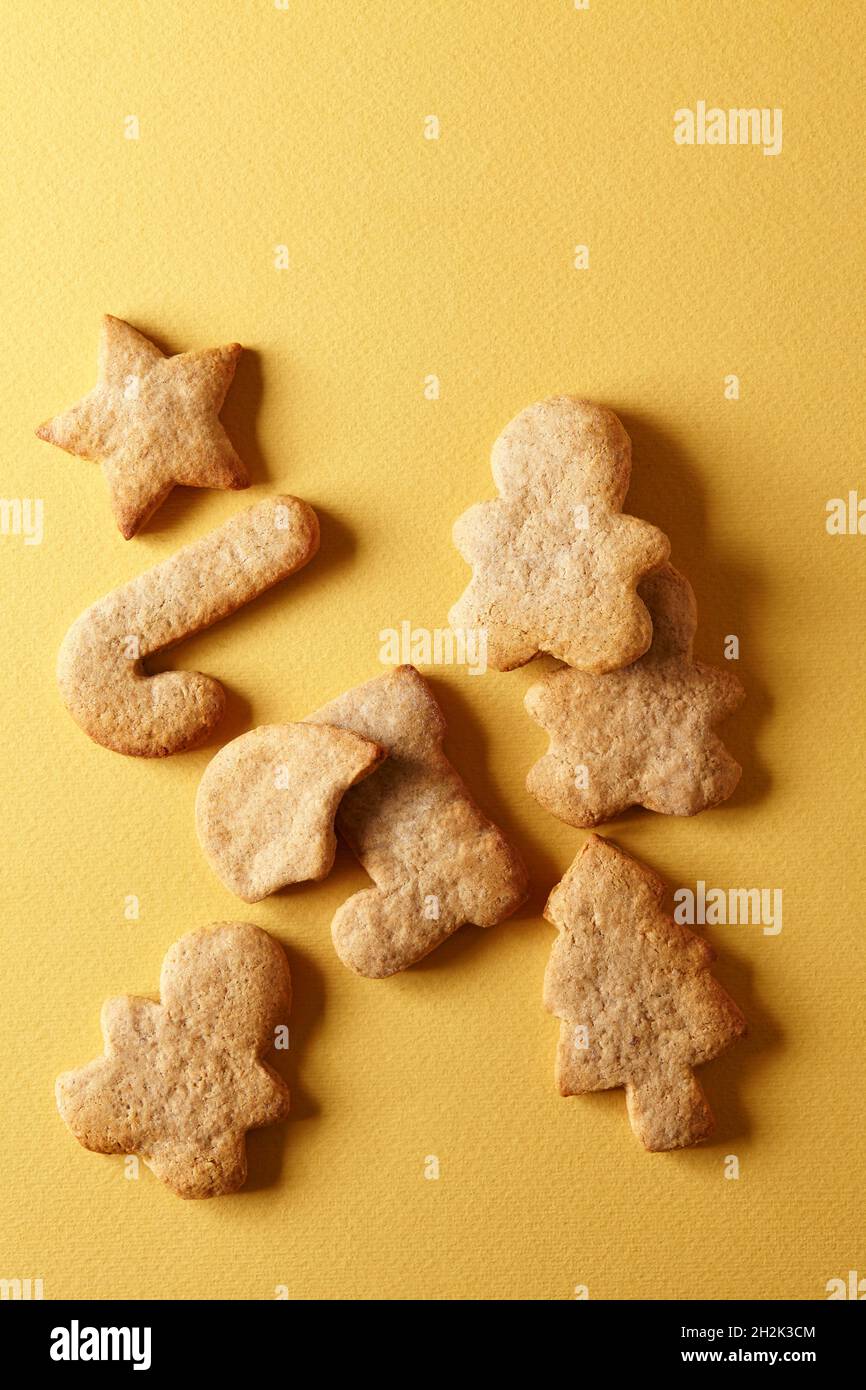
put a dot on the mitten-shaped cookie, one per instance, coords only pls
(638, 1005)
(643, 735)
(435, 858)
(555, 562)
(182, 1081)
(151, 421)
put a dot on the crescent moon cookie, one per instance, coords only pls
(181, 1081)
(642, 736)
(100, 668)
(266, 804)
(152, 421)
(555, 562)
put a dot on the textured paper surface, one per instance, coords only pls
(304, 127)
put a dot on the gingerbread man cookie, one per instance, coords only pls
(183, 1080)
(555, 562)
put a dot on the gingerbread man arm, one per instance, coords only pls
(182, 1081)
(97, 1101)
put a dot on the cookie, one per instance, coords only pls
(436, 861)
(100, 669)
(555, 563)
(266, 804)
(633, 990)
(642, 736)
(183, 1080)
(151, 421)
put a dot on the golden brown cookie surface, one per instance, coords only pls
(100, 667)
(152, 421)
(266, 804)
(643, 735)
(434, 857)
(633, 990)
(555, 562)
(183, 1080)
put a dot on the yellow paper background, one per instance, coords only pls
(408, 257)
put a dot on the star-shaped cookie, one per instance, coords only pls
(151, 421)
(642, 736)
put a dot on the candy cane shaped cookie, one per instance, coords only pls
(103, 680)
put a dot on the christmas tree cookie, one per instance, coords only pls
(633, 990)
